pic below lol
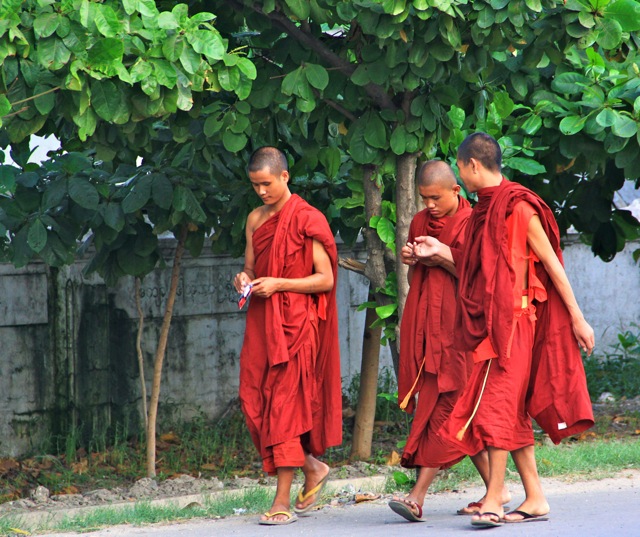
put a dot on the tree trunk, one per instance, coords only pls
(375, 269)
(366, 409)
(143, 384)
(376, 272)
(405, 211)
(160, 352)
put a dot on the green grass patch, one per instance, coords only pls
(576, 461)
(248, 501)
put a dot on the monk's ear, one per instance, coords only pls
(475, 165)
(284, 176)
(456, 189)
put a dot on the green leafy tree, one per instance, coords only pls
(388, 82)
(104, 77)
(358, 92)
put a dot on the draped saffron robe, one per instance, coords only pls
(532, 344)
(430, 369)
(290, 383)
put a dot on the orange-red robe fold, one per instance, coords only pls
(290, 383)
(556, 390)
(429, 366)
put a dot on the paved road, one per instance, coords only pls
(608, 508)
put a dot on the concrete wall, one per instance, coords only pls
(69, 350)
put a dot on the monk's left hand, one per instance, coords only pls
(584, 334)
(265, 287)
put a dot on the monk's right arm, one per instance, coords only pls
(247, 274)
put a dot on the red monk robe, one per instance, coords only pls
(525, 325)
(429, 366)
(290, 385)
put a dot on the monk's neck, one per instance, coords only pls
(275, 208)
(490, 181)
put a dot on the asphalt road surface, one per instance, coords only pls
(607, 508)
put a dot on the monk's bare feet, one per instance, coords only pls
(476, 507)
(528, 510)
(316, 474)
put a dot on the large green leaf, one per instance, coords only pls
(114, 216)
(83, 193)
(46, 98)
(610, 34)
(161, 190)
(138, 196)
(398, 140)
(207, 42)
(626, 13)
(532, 124)
(386, 231)
(37, 236)
(375, 133)
(624, 126)
(525, 165)
(105, 53)
(105, 98)
(606, 117)
(45, 24)
(316, 75)
(106, 20)
(193, 208)
(234, 142)
(53, 54)
(5, 106)
(570, 83)
(360, 150)
(572, 124)
(386, 311)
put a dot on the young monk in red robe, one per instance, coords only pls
(518, 315)
(431, 370)
(290, 385)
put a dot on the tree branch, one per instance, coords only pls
(376, 92)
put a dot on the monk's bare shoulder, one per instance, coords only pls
(255, 219)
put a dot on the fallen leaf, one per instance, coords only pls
(366, 497)
(211, 467)
(170, 438)
(80, 467)
(393, 459)
(6, 465)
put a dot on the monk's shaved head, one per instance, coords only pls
(484, 149)
(436, 172)
(268, 157)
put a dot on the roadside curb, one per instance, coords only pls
(49, 516)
